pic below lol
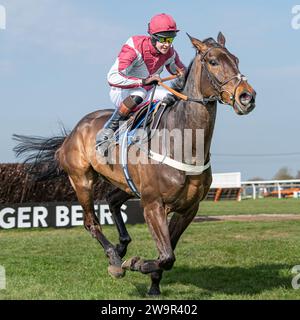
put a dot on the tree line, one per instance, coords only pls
(283, 173)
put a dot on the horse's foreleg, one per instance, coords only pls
(156, 218)
(83, 185)
(115, 199)
(178, 223)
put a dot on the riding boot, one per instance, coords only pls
(120, 114)
(103, 138)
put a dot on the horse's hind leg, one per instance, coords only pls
(178, 223)
(115, 199)
(83, 185)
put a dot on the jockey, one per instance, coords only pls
(137, 69)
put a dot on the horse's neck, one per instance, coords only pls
(193, 115)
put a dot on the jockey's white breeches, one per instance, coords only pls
(117, 95)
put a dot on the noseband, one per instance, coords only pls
(218, 85)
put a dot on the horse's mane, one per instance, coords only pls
(210, 42)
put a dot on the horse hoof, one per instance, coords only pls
(116, 272)
(129, 264)
(154, 292)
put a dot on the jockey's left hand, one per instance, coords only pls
(169, 99)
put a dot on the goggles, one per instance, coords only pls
(164, 39)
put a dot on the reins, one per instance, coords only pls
(183, 96)
(214, 82)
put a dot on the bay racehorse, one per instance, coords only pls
(213, 76)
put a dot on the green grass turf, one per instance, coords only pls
(215, 260)
(259, 206)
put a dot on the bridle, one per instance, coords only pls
(217, 84)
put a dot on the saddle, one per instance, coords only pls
(127, 135)
(137, 121)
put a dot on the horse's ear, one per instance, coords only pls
(199, 45)
(221, 39)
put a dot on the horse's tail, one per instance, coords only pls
(40, 156)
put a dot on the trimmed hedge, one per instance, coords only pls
(16, 186)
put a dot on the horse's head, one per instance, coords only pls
(221, 77)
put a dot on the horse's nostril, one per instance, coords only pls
(246, 98)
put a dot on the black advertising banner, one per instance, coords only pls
(63, 215)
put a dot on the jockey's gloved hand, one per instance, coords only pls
(169, 99)
(151, 80)
(178, 83)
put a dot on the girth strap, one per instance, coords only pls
(124, 156)
(177, 164)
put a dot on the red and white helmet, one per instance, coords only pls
(162, 23)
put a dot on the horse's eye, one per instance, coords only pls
(213, 62)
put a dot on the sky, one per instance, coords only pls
(55, 55)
